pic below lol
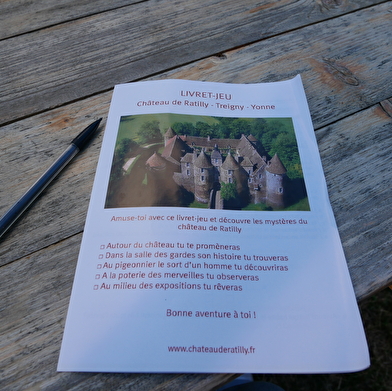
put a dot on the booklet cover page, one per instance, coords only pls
(210, 244)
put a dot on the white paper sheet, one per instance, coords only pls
(168, 288)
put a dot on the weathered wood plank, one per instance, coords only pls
(34, 299)
(339, 80)
(22, 16)
(356, 153)
(50, 67)
(27, 149)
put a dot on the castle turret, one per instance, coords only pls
(216, 157)
(156, 162)
(275, 180)
(185, 177)
(169, 134)
(203, 177)
(216, 160)
(232, 172)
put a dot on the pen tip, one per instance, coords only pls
(81, 140)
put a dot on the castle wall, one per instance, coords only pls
(187, 182)
(204, 179)
(257, 187)
(275, 190)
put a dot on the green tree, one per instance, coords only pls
(285, 145)
(259, 127)
(268, 139)
(215, 131)
(149, 132)
(203, 129)
(184, 128)
(229, 191)
(241, 126)
(221, 131)
(123, 148)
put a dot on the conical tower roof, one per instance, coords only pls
(170, 133)
(156, 161)
(215, 153)
(203, 161)
(275, 166)
(230, 163)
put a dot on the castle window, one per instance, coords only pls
(202, 169)
(202, 178)
(280, 190)
(188, 172)
(230, 180)
(187, 164)
(230, 172)
(250, 180)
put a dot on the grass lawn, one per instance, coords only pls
(130, 125)
(196, 204)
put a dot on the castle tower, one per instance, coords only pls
(185, 177)
(216, 157)
(216, 160)
(232, 172)
(257, 186)
(275, 182)
(156, 162)
(170, 133)
(204, 177)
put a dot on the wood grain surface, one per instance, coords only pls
(23, 16)
(59, 62)
(52, 66)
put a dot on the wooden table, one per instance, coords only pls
(59, 62)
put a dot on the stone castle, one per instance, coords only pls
(201, 165)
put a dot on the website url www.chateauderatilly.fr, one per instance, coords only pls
(212, 349)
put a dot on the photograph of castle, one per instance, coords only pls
(206, 162)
